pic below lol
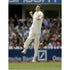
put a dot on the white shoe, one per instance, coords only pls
(33, 60)
(24, 51)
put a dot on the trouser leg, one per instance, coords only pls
(29, 39)
(27, 42)
(36, 46)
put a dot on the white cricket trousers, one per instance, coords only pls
(36, 36)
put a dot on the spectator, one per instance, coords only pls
(11, 20)
(27, 21)
(50, 23)
(45, 22)
(58, 46)
(11, 26)
(15, 20)
(17, 26)
(12, 46)
(23, 26)
(19, 46)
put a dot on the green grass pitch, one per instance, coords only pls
(35, 66)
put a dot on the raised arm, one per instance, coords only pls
(31, 14)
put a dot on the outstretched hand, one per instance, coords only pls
(30, 12)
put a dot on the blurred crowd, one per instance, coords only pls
(50, 33)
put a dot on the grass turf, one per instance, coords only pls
(35, 66)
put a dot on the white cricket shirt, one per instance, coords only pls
(37, 24)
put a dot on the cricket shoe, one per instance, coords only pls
(33, 60)
(24, 51)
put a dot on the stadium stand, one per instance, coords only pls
(50, 34)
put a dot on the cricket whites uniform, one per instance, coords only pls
(34, 33)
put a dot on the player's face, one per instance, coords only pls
(37, 8)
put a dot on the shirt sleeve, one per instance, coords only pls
(41, 15)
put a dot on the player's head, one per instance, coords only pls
(38, 7)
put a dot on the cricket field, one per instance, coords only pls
(35, 66)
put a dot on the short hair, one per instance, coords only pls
(39, 5)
